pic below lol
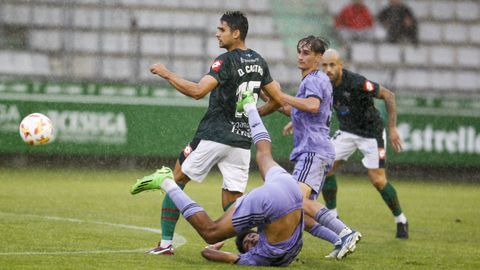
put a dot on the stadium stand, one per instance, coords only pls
(101, 39)
(119, 39)
(445, 60)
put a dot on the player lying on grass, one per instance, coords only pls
(275, 208)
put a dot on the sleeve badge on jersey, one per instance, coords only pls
(368, 86)
(187, 150)
(217, 65)
(382, 153)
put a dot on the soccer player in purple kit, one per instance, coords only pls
(275, 208)
(313, 152)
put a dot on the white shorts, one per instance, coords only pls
(373, 150)
(233, 163)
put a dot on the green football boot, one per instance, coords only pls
(246, 98)
(152, 181)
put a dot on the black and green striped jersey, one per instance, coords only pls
(236, 71)
(353, 101)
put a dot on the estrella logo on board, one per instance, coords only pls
(217, 65)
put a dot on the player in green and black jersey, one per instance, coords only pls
(361, 128)
(223, 136)
(235, 71)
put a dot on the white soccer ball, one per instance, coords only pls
(36, 129)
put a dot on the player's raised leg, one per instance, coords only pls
(211, 231)
(260, 135)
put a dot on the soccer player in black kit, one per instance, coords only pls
(361, 128)
(223, 137)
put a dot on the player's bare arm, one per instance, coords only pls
(213, 253)
(264, 96)
(265, 110)
(186, 87)
(269, 107)
(273, 90)
(391, 106)
(274, 94)
(310, 104)
(287, 110)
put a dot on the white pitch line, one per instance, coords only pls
(178, 241)
(72, 252)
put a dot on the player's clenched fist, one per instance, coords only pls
(159, 69)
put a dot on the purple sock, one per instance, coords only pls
(186, 205)
(328, 219)
(324, 233)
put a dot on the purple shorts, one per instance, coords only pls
(311, 169)
(279, 196)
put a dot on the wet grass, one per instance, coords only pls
(75, 219)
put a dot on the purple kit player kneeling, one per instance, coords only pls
(275, 208)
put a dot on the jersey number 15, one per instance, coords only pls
(247, 86)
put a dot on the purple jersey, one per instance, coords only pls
(311, 130)
(279, 196)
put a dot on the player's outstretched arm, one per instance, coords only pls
(310, 104)
(275, 100)
(271, 106)
(391, 106)
(213, 253)
(186, 87)
(273, 90)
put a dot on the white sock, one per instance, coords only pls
(401, 218)
(334, 211)
(249, 106)
(344, 232)
(168, 184)
(165, 243)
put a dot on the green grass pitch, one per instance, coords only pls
(86, 219)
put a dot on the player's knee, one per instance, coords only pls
(377, 177)
(209, 233)
(309, 207)
(211, 236)
(180, 177)
(379, 183)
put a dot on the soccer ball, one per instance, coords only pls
(36, 129)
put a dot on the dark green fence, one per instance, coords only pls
(116, 119)
(439, 130)
(146, 120)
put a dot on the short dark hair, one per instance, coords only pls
(239, 240)
(237, 21)
(317, 44)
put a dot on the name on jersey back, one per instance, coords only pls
(250, 68)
